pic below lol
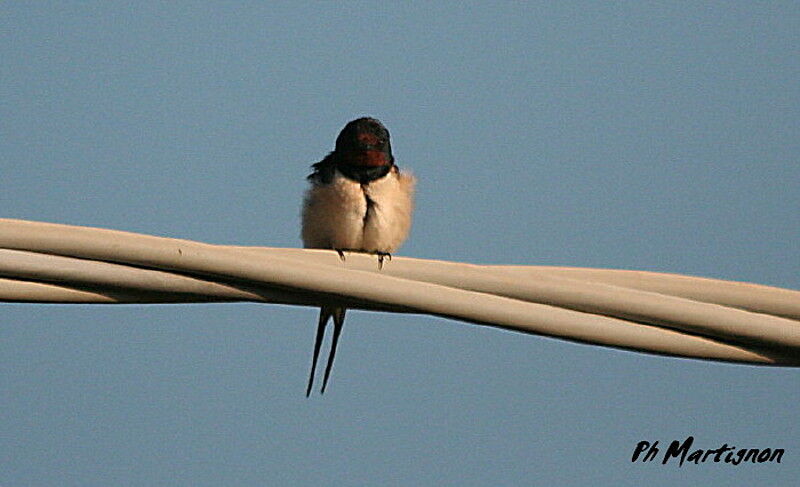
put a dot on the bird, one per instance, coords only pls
(357, 200)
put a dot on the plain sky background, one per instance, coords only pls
(633, 135)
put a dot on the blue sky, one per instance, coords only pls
(634, 135)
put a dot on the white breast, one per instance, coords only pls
(390, 204)
(374, 217)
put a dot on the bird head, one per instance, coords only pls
(364, 142)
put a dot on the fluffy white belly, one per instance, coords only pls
(374, 217)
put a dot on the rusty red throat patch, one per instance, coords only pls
(371, 158)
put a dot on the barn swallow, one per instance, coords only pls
(358, 201)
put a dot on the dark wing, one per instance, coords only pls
(323, 170)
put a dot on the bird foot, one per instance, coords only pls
(381, 257)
